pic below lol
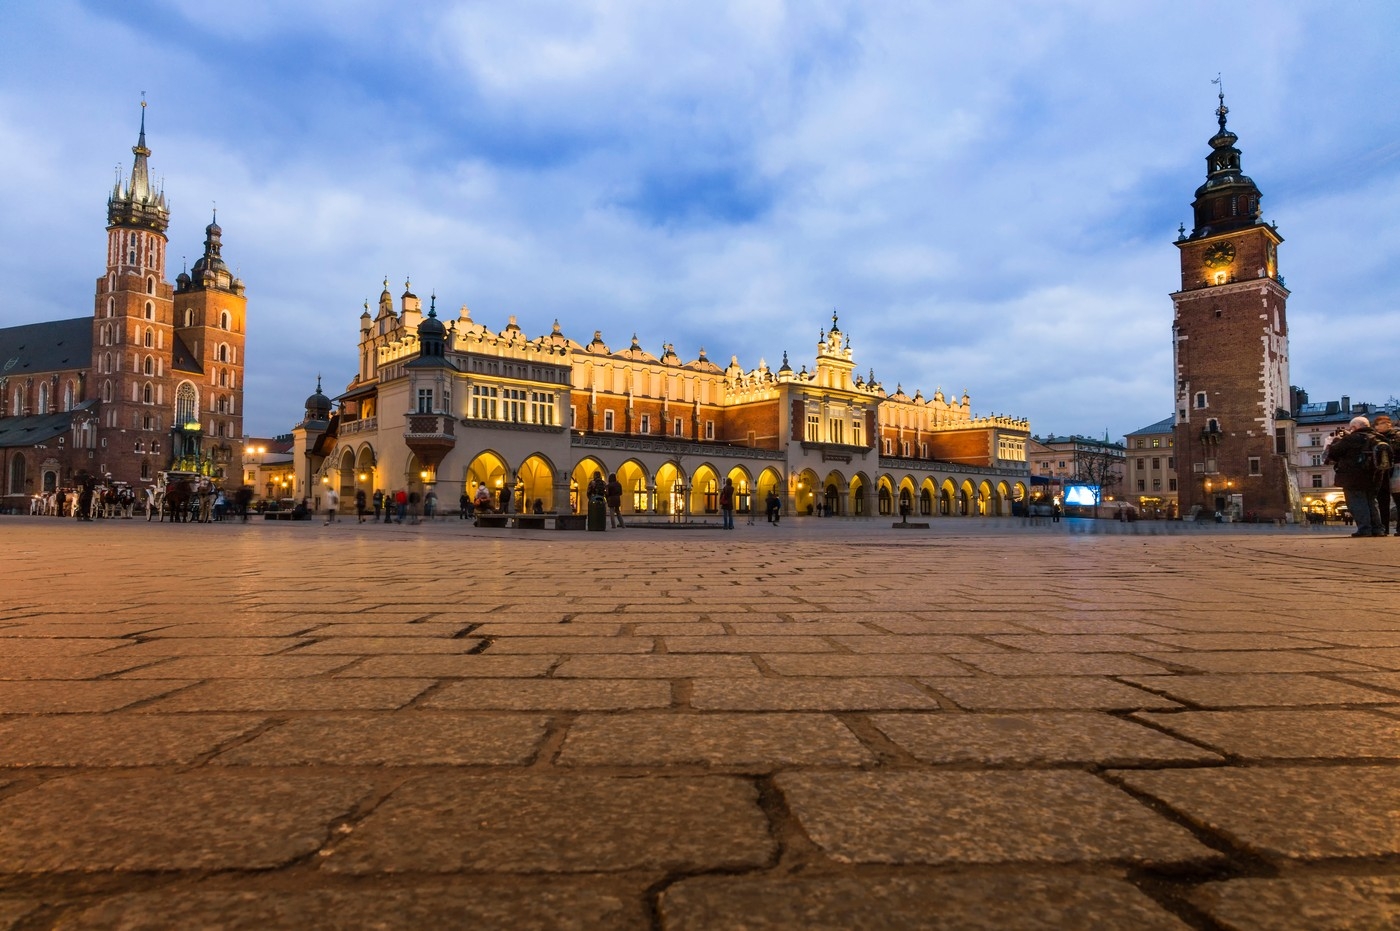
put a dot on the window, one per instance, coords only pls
(838, 431)
(645, 425)
(1253, 465)
(150, 338)
(223, 320)
(1140, 464)
(608, 421)
(484, 402)
(186, 405)
(1317, 480)
(223, 353)
(149, 367)
(150, 311)
(1142, 484)
(814, 428)
(425, 400)
(1200, 399)
(1156, 463)
(513, 404)
(1171, 462)
(678, 431)
(856, 433)
(888, 447)
(709, 429)
(904, 449)
(1316, 459)
(1171, 484)
(542, 407)
(146, 396)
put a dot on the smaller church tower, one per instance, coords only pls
(1233, 428)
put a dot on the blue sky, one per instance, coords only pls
(986, 193)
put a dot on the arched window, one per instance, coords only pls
(223, 352)
(189, 317)
(150, 368)
(186, 404)
(223, 378)
(106, 391)
(150, 338)
(43, 405)
(222, 405)
(111, 306)
(150, 286)
(68, 396)
(17, 406)
(223, 320)
(150, 311)
(148, 393)
(17, 474)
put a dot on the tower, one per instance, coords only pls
(132, 332)
(1230, 349)
(210, 315)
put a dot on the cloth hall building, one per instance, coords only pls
(450, 407)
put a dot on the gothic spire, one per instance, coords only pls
(138, 204)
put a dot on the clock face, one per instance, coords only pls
(1220, 255)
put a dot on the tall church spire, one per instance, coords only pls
(138, 204)
(1229, 199)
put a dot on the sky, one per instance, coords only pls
(986, 194)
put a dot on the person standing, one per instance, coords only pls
(378, 502)
(360, 504)
(332, 505)
(613, 494)
(401, 505)
(1387, 491)
(1349, 455)
(726, 503)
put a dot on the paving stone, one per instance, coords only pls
(962, 627)
(1036, 739)
(1379, 657)
(45, 646)
(551, 695)
(672, 666)
(547, 629)
(559, 824)
(412, 738)
(1253, 661)
(1319, 903)
(1356, 638)
(679, 629)
(863, 664)
(482, 904)
(1046, 693)
(1242, 691)
(366, 646)
(1282, 734)
(807, 694)
(748, 644)
(473, 666)
(918, 643)
(238, 667)
(201, 820)
(559, 646)
(1232, 641)
(1058, 664)
(94, 740)
(293, 695)
(14, 911)
(982, 817)
(1306, 813)
(231, 628)
(207, 646)
(762, 741)
(1103, 625)
(974, 902)
(798, 628)
(67, 667)
(44, 696)
(1073, 643)
(427, 629)
(1381, 681)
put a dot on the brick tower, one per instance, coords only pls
(1230, 347)
(133, 333)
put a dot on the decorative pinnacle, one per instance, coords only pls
(1222, 110)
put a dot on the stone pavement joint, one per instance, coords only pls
(980, 725)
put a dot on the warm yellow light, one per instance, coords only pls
(423, 475)
(325, 480)
(363, 476)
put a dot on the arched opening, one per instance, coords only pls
(859, 488)
(16, 470)
(536, 484)
(704, 491)
(490, 470)
(804, 494)
(743, 490)
(926, 493)
(670, 489)
(885, 498)
(636, 495)
(770, 480)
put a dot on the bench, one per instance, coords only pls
(530, 521)
(492, 520)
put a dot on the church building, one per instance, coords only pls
(151, 380)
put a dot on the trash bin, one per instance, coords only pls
(597, 513)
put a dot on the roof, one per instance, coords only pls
(22, 432)
(181, 359)
(1166, 425)
(46, 347)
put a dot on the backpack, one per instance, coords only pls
(1376, 457)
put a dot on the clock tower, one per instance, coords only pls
(1233, 428)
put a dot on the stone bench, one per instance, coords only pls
(492, 520)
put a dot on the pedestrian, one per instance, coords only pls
(1388, 494)
(774, 507)
(483, 498)
(332, 505)
(1351, 459)
(378, 502)
(243, 497)
(430, 505)
(464, 506)
(613, 493)
(220, 506)
(360, 504)
(400, 505)
(726, 504)
(413, 506)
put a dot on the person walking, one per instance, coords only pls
(726, 503)
(613, 494)
(360, 504)
(1350, 456)
(332, 505)
(400, 505)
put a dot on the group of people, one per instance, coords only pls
(401, 506)
(1363, 457)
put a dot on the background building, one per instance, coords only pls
(152, 379)
(451, 407)
(1150, 469)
